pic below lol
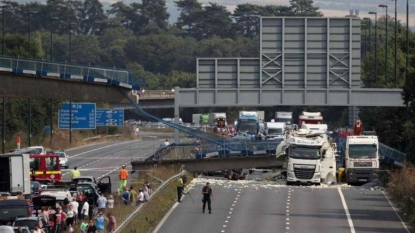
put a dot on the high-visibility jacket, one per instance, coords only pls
(123, 175)
(180, 182)
(74, 174)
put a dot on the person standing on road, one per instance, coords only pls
(180, 187)
(207, 197)
(75, 173)
(123, 176)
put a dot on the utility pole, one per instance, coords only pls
(386, 42)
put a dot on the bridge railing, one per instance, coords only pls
(45, 67)
(157, 94)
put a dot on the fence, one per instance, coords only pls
(61, 69)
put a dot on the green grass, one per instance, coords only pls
(153, 211)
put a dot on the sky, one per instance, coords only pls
(231, 4)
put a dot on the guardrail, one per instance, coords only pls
(63, 70)
(157, 94)
(159, 188)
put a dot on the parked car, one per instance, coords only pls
(31, 222)
(11, 209)
(63, 158)
(36, 187)
(6, 229)
(24, 229)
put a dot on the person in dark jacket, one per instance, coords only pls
(207, 197)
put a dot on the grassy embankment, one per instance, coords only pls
(401, 189)
(153, 211)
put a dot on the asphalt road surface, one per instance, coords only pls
(106, 159)
(252, 206)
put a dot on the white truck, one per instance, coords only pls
(310, 157)
(217, 119)
(286, 117)
(196, 119)
(275, 130)
(310, 118)
(361, 159)
(15, 174)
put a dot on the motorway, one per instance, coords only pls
(262, 206)
(106, 159)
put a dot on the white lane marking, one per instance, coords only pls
(86, 152)
(287, 219)
(222, 231)
(396, 212)
(224, 225)
(226, 221)
(230, 212)
(91, 145)
(287, 228)
(231, 208)
(346, 209)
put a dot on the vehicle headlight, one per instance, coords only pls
(351, 174)
(290, 175)
(375, 174)
(317, 176)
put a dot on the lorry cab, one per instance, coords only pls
(315, 127)
(275, 130)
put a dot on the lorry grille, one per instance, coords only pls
(362, 164)
(303, 173)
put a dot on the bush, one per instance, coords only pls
(401, 188)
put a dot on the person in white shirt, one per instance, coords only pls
(166, 143)
(85, 210)
(102, 203)
(140, 198)
(75, 206)
(110, 202)
(145, 192)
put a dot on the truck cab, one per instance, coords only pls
(275, 130)
(361, 159)
(310, 158)
(310, 118)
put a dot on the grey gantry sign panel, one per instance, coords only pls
(226, 97)
(303, 61)
(310, 52)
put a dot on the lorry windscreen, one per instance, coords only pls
(285, 120)
(248, 126)
(303, 152)
(362, 151)
(275, 131)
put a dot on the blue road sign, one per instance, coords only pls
(110, 117)
(83, 116)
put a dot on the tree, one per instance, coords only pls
(214, 21)
(154, 11)
(247, 19)
(93, 17)
(189, 15)
(304, 8)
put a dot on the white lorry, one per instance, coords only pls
(310, 118)
(217, 119)
(286, 117)
(15, 174)
(361, 159)
(275, 130)
(310, 157)
(196, 119)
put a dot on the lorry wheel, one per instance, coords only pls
(289, 183)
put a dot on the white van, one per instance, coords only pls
(39, 150)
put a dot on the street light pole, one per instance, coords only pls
(407, 38)
(376, 47)
(51, 38)
(396, 42)
(4, 25)
(4, 99)
(30, 13)
(386, 43)
(70, 41)
(370, 36)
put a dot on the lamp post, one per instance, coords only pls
(407, 38)
(4, 25)
(4, 99)
(30, 13)
(51, 39)
(370, 34)
(70, 41)
(396, 42)
(386, 42)
(376, 47)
